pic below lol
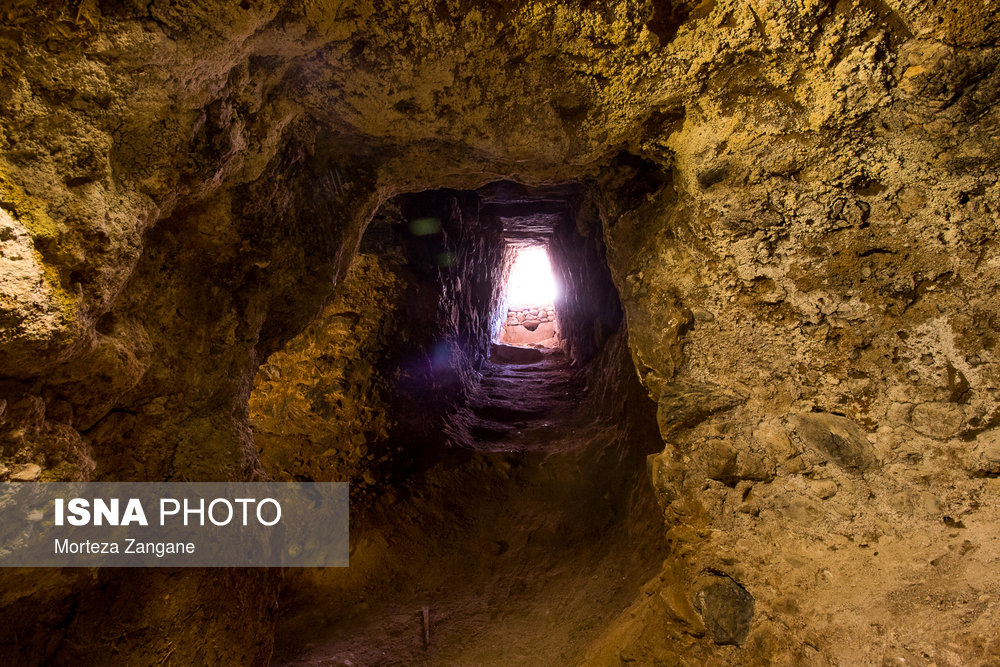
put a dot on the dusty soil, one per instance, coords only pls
(518, 550)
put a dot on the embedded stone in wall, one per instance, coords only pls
(938, 420)
(33, 312)
(727, 609)
(531, 326)
(838, 437)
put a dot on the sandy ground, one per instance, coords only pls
(517, 551)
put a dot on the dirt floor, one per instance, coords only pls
(516, 551)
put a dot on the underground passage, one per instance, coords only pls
(655, 332)
(513, 488)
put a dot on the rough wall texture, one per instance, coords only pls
(813, 313)
(320, 406)
(588, 306)
(365, 393)
(800, 206)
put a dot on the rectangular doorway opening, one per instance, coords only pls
(531, 295)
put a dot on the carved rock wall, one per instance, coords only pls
(799, 202)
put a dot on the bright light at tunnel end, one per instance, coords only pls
(531, 282)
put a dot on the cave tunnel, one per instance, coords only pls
(510, 481)
(757, 422)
